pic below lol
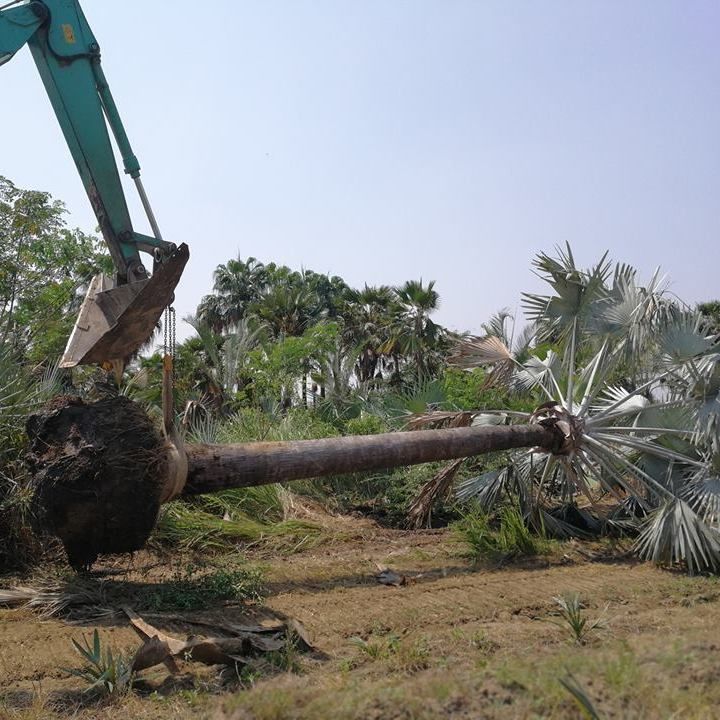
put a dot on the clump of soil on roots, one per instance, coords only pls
(97, 475)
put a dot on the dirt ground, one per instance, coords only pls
(455, 641)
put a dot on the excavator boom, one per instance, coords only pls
(119, 314)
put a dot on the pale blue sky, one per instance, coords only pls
(385, 140)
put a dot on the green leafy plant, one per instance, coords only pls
(104, 671)
(377, 648)
(475, 532)
(573, 617)
(515, 537)
(21, 393)
(402, 654)
(365, 425)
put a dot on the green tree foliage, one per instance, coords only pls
(44, 271)
(416, 336)
(286, 300)
(278, 366)
(368, 329)
(386, 334)
(469, 390)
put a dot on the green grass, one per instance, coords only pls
(190, 526)
(254, 424)
(506, 538)
(197, 593)
(399, 654)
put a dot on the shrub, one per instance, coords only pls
(507, 538)
(365, 425)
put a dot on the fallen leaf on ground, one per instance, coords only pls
(301, 635)
(160, 647)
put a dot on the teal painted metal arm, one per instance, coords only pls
(67, 56)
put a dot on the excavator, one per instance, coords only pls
(120, 313)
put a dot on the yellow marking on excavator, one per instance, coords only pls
(69, 34)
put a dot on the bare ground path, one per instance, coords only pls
(455, 641)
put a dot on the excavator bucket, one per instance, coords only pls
(114, 322)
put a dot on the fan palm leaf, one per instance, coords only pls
(640, 415)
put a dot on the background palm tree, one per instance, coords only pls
(418, 338)
(214, 363)
(368, 319)
(236, 284)
(287, 310)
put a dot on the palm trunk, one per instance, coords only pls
(212, 468)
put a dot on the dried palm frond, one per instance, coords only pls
(472, 352)
(438, 487)
(440, 419)
(60, 599)
(435, 489)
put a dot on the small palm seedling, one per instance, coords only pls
(571, 612)
(106, 672)
(377, 648)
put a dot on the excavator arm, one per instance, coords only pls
(119, 314)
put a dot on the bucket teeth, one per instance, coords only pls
(114, 322)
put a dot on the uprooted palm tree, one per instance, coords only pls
(628, 383)
(632, 379)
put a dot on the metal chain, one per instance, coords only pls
(168, 364)
(169, 326)
(166, 323)
(171, 310)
